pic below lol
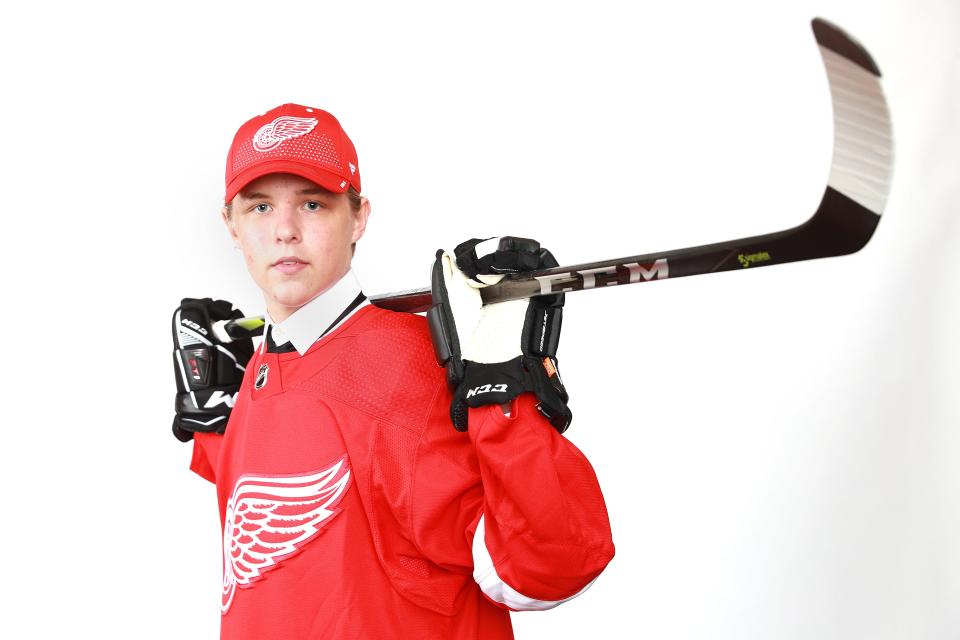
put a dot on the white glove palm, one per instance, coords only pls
(487, 333)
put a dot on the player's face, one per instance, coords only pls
(295, 237)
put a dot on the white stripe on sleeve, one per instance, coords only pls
(485, 575)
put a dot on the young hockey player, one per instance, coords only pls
(364, 492)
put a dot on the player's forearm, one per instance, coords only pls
(545, 525)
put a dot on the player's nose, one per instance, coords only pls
(287, 224)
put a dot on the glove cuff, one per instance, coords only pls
(501, 382)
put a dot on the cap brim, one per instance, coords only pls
(326, 179)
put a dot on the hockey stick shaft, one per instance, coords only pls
(844, 222)
(817, 238)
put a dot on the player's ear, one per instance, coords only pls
(225, 213)
(360, 217)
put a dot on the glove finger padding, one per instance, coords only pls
(486, 362)
(208, 372)
(501, 255)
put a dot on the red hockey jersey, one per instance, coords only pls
(351, 508)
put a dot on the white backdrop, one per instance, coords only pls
(778, 449)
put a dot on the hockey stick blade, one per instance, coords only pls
(854, 199)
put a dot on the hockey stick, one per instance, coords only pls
(848, 214)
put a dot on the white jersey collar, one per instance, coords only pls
(310, 322)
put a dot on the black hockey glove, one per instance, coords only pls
(495, 352)
(208, 371)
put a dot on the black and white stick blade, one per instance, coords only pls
(862, 163)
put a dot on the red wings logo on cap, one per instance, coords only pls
(270, 518)
(270, 136)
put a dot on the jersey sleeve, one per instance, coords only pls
(206, 451)
(515, 501)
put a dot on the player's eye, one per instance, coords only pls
(313, 205)
(261, 208)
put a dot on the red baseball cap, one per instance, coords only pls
(291, 138)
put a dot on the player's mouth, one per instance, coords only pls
(289, 265)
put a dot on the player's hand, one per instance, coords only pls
(208, 371)
(493, 353)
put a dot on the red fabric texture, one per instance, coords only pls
(393, 558)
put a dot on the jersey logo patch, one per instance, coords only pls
(271, 135)
(270, 518)
(261, 380)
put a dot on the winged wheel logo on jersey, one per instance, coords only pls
(270, 518)
(271, 135)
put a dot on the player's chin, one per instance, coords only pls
(293, 292)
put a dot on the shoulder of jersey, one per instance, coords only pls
(394, 334)
(389, 369)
